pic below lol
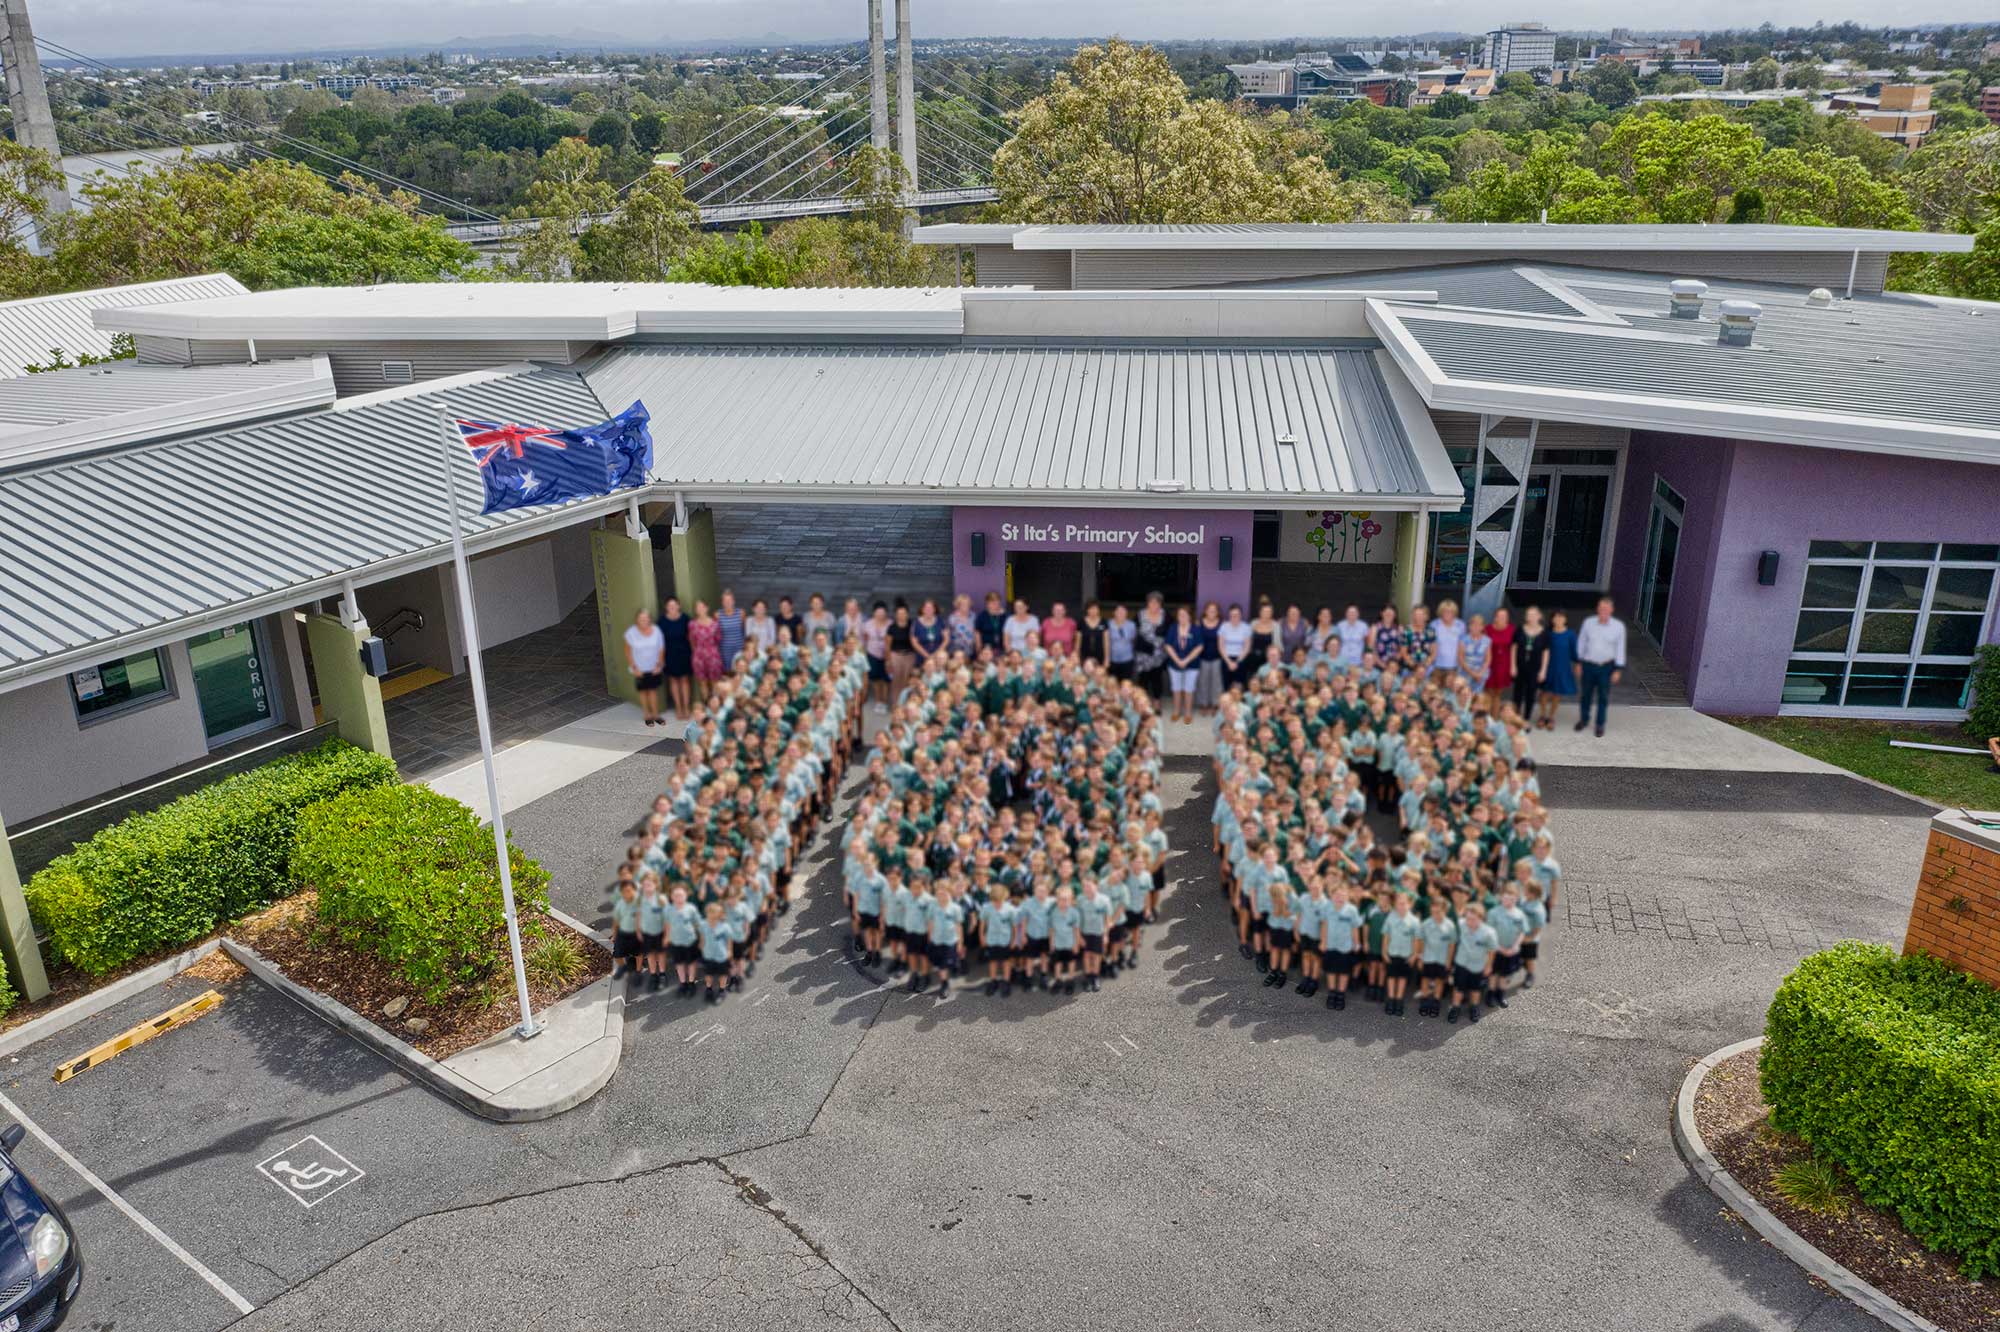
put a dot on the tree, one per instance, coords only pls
(1679, 170)
(1974, 276)
(650, 233)
(26, 174)
(1451, 105)
(1116, 139)
(566, 195)
(610, 131)
(270, 223)
(740, 260)
(649, 131)
(1517, 83)
(1804, 75)
(1611, 83)
(1762, 74)
(1953, 180)
(1551, 183)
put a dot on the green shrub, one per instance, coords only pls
(1812, 1182)
(1890, 1066)
(1982, 718)
(170, 876)
(409, 876)
(8, 996)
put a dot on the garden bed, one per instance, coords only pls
(1733, 1119)
(290, 937)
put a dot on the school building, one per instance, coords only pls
(1788, 477)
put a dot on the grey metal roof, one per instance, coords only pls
(1509, 236)
(32, 403)
(1476, 286)
(1873, 357)
(30, 328)
(1021, 422)
(177, 536)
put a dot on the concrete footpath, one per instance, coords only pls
(535, 768)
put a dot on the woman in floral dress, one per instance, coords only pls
(705, 644)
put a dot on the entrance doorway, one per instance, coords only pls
(231, 682)
(1124, 579)
(1042, 577)
(1564, 515)
(1663, 545)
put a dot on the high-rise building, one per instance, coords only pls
(1523, 47)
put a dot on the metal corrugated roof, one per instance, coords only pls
(1476, 286)
(166, 539)
(1020, 422)
(60, 397)
(30, 328)
(1513, 236)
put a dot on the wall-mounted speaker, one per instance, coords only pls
(1767, 569)
(1226, 557)
(979, 550)
(375, 657)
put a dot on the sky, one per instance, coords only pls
(111, 28)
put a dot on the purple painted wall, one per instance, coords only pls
(1730, 637)
(1196, 532)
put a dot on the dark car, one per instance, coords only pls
(41, 1268)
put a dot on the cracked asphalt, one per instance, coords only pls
(1184, 1149)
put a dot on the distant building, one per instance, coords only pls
(1525, 48)
(1344, 76)
(446, 96)
(1900, 112)
(1989, 104)
(1708, 73)
(1432, 84)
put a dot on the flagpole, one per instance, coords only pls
(469, 614)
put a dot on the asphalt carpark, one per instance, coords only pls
(1186, 1148)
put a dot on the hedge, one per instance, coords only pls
(409, 876)
(1982, 717)
(1891, 1066)
(173, 874)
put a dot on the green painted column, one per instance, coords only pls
(694, 562)
(349, 697)
(1406, 574)
(17, 931)
(626, 585)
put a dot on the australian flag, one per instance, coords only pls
(524, 464)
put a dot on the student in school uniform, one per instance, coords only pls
(684, 938)
(947, 918)
(1312, 908)
(1036, 914)
(1537, 913)
(1065, 926)
(999, 931)
(1547, 869)
(917, 934)
(1374, 918)
(1399, 943)
(1280, 932)
(1472, 963)
(1093, 915)
(715, 957)
(869, 888)
(1436, 938)
(1112, 884)
(1340, 943)
(626, 955)
(1138, 886)
(1510, 929)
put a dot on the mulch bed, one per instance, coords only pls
(289, 937)
(1733, 1119)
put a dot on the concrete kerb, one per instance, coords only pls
(1693, 1150)
(89, 1005)
(552, 1079)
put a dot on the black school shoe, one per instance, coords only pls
(1246, 950)
(1263, 963)
(1497, 998)
(653, 985)
(1528, 980)
(1472, 1013)
(1452, 1016)
(1308, 988)
(1006, 988)
(1338, 999)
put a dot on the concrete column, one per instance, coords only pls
(906, 93)
(878, 81)
(626, 585)
(349, 697)
(28, 95)
(695, 578)
(1406, 574)
(17, 931)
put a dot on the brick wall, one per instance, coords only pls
(1956, 915)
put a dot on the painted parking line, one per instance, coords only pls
(110, 1195)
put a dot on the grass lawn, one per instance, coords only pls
(1863, 747)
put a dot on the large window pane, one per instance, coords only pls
(1898, 587)
(112, 685)
(1814, 683)
(1872, 684)
(1834, 550)
(1832, 586)
(1887, 633)
(1988, 554)
(1940, 686)
(1822, 631)
(1952, 635)
(1906, 550)
(1962, 590)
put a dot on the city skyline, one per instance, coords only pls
(110, 29)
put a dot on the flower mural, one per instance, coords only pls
(1344, 536)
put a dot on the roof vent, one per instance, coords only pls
(1684, 297)
(398, 372)
(1738, 322)
(1819, 298)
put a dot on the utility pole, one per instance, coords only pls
(878, 82)
(906, 94)
(28, 96)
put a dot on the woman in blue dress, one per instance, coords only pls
(1558, 670)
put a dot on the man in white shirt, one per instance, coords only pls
(1600, 658)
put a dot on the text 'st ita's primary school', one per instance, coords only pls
(1786, 476)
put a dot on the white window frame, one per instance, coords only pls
(1915, 657)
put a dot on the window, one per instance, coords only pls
(118, 686)
(1265, 526)
(1889, 626)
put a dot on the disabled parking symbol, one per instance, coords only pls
(310, 1171)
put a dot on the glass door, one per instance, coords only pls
(231, 682)
(1663, 545)
(1529, 564)
(1563, 517)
